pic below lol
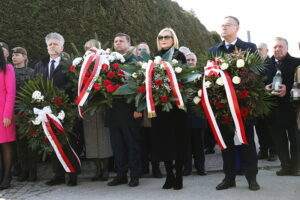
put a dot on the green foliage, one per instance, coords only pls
(26, 23)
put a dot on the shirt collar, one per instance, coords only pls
(233, 43)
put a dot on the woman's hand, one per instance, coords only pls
(137, 115)
(6, 122)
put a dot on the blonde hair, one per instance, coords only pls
(175, 39)
(92, 43)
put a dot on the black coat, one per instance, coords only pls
(241, 45)
(169, 129)
(284, 114)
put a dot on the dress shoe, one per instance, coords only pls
(5, 184)
(55, 181)
(272, 157)
(283, 172)
(178, 183)
(295, 173)
(118, 180)
(134, 181)
(156, 173)
(201, 172)
(262, 155)
(253, 185)
(187, 172)
(225, 184)
(72, 179)
(169, 182)
(209, 151)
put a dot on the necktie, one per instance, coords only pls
(229, 47)
(278, 64)
(51, 69)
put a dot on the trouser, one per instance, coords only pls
(264, 136)
(27, 157)
(126, 149)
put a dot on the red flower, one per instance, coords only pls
(142, 89)
(110, 88)
(117, 86)
(243, 94)
(105, 67)
(21, 114)
(218, 60)
(32, 133)
(116, 66)
(107, 82)
(244, 111)
(164, 99)
(72, 68)
(97, 86)
(121, 74)
(45, 139)
(57, 101)
(179, 85)
(226, 119)
(219, 105)
(158, 82)
(111, 74)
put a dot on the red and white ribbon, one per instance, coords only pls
(47, 118)
(210, 69)
(84, 88)
(173, 85)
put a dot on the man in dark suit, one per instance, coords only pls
(283, 117)
(124, 127)
(230, 28)
(51, 68)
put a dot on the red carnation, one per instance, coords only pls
(107, 82)
(142, 89)
(244, 111)
(117, 86)
(105, 67)
(158, 82)
(32, 133)
(21, 114)
(243, 94)
(87, 74)
(72, 68)
(97, 86)
(110, 88)
(219, 105)
(226, 119)
(121, 74)
(164, 99)
(57, 101)
(179, 85)
(116, 66)
(111, 74)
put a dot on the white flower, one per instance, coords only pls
(140, 63)
(117, 56)
(157, 60)
(219, 81)
(224, 66)
(40, 98)
(61, 115)
(36, 121)
(207, 84)
(236, 80)
(200, 93)
(178, 70)
(76, 61)
(144, 66)
(240, 63)
(36, 94)
(196, 100)
(134, 75)
(174, 62)
(161, 66)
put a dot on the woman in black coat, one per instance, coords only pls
(170, 141)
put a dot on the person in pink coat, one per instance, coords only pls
(7, 124)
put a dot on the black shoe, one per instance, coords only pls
(134, 181)
(32, 175)
(55, 181)
(295, 173)
(72, 179)
(5, 184)
(24, 176)
(201, 172)
(253, 185)
(169, 182)
(262, 155)
(187, 172)
(240, 172)
(225, 184)
(156, 173)
(283, 172)
(209, 151)
(272, 157)
(118, 180)
(178, 183)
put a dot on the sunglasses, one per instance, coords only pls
(167, 37)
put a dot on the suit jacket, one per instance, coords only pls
(241, 45)
(284, 114)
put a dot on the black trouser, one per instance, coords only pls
(285, 140)
(197, 149)
(264, 136)
(126, 149)
(248, 152)
(27, 157)
(209, 140)
(146, 144)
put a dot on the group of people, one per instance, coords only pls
(172, 137)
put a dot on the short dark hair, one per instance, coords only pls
(2, 60)
(234, 18)
(123, 35)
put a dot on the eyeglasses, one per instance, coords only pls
(167, 37)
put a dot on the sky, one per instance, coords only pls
(265, 19)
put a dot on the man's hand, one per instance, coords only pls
(137, 115)
(281, 91)
(6, 122)
(268, 87)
